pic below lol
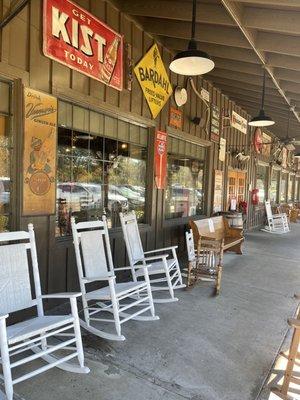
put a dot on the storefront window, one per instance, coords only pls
(99, 175)
(261, 182)
(291, 188)
(184, 196)
(283, 188)
(274, 185)
(5, 152)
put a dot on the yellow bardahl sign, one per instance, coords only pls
(154, 80)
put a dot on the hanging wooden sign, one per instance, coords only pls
(215, 124)
(175, 119)
(39, 155)
(74, 37)
(160, 160)
(154, 80)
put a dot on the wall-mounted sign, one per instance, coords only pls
(205, 94)
(175, 119)
(266, 147)
(74, 37)
(180, 96)
(154, 80)
(39, 157)
(218, 191)
(222, 151)
(160, 159)
(238, 122)
(215, 124)
(284, 157)
(257, 140)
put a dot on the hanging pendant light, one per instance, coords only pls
(262, 119)
(192, 61)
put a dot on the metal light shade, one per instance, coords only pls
(261, 120)
(191, 62)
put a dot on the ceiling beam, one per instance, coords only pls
(265, 19)
(235, 13)
(206, 13)
(241, 77)
(238, 66)
(278, 43)
(248, 95)
(283, 61)
(228, 36)
(274, 3)
(214, 50)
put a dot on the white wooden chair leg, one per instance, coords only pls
(115, 306)
(5, 361)
(149, 292)
(77, 332)
(85, 310)
(177, 266)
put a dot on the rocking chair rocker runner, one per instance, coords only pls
(32, 334)
(277, 223)
(95, 264)
(161, 263)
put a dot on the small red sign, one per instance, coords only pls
(160, 159)
(175, 119)
(74, 37)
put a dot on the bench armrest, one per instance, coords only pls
(234, 232)
(61, 295)
(163, 249)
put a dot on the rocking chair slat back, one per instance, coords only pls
(132, 237)
(268, 209)
(93, 252)
(15, 289)
(190, 245)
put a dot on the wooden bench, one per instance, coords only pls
(217, 228)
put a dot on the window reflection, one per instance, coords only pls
(261, 182)
(184, 193)
(5, 183)
(98, 176)
(274, 186)
(283, 188)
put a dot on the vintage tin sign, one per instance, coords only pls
(39, 157)
(175, 118)
(238, 122)
(154, 80)
(74, 37)
(160, 159)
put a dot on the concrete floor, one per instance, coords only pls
(203, 347)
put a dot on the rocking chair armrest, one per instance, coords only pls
(131, 268)
(163, 249)
(159, 256)
(4, 316)
(72, 295)
(107, 277)
(295, 323)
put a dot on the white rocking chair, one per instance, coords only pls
(161, 264)
(277, 223)
(95, 264)
(32, 334)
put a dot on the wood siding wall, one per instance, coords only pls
(22, 61)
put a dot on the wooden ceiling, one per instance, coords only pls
(240, 36)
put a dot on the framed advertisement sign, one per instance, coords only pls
(160, 159)
(218, 191)
(39, 156)
(222, 149)
(74, 37)
(238, 122)
(215, 124)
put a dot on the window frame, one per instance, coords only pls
(266, 190)
(149, 208)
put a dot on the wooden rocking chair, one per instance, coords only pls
(277, 223)
(205, 263)
(162, 263)
(32, 334)
(95, 264)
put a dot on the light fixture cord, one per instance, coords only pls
(194, 19)
(263, 91)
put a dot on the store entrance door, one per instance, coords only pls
(236, 189)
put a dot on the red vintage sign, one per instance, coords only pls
(160, 159)
(74, 37)
(175, 119)
(257, 140)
